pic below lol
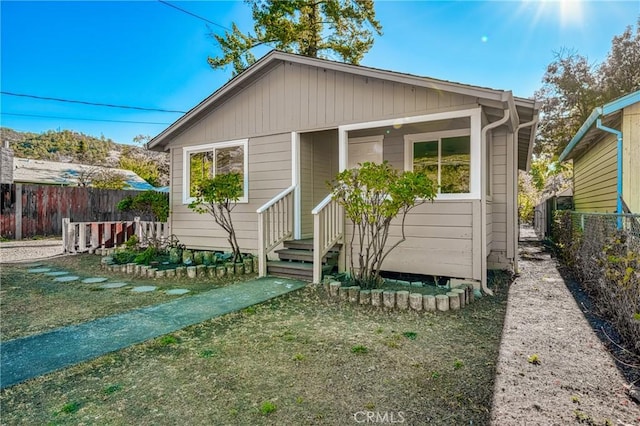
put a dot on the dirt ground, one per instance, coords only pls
(552, 368)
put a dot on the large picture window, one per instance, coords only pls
(206, 161)
(445, 157)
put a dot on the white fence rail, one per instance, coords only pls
(328, 229)
(275, 224)
(80, 237)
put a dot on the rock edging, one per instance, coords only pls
(248, 266)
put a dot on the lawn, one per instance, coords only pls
(32, 303)
(298, 359)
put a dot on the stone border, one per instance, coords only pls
(454, 300)
(248, 266)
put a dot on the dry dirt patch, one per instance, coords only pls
(553, 369)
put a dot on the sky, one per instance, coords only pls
(147, 54)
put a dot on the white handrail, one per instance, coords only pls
(276, 199)
(328, 230)
(322, 204)
(275, 225)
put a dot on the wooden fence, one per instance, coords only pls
(80, 237)
(37, 210)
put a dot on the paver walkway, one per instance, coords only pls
(28, 357)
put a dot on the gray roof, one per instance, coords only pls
(27, 170)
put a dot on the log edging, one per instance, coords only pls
(405, 300)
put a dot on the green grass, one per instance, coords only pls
(298, 359)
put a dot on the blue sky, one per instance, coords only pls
(147, 54)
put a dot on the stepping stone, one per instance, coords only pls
(56, 273)
(38, 270)
(113, 285)
(66, 278)
(177, 291)
(94, 280)
(144, 288)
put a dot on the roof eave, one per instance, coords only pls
(597, 112)
(607, 109)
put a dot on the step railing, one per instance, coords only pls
(275, 224)
(81, 237)
(328, 230)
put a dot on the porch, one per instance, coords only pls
(305, 228)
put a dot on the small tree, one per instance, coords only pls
(151, 204)
(372, 196)
(218, 197)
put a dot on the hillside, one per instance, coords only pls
(68, 146)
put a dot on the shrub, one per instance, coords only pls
(218, 197)
(373, 196)
(605, 258)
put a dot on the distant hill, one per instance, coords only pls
(74, 147)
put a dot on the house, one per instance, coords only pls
(44, 172)
(289, 123)
(606, 153)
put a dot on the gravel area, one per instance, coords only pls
(29, 250)
(552, 368)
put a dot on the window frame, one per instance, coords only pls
(212, 147)
(411, 139)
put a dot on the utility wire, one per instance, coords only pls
(23, 95)
(194, 15)
(82, 119)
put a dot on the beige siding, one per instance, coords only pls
(393, 151)
(318, 165)
(594, 178)
(325, 163)
(269, 173)
(631, 157)
(302, 98)
(439, 241)
(499, 191)
(306, 184)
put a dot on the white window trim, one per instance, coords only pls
(410, 139)
(186, 173)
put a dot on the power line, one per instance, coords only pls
(24, 95)
(81, 119)
(194, 15)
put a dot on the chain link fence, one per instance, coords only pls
(603, 252)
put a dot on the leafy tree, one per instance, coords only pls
(146, 168)
(104, 178)
(573, 87)
(569, 93)
(152, 204)
(373, 196)
(218, 197)
(620, 73)
(315, 28)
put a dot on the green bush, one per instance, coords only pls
(146, 256)
(124, 256)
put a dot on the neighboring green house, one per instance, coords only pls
(606, 153)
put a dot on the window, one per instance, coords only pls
(445, 157)
(205, 161)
